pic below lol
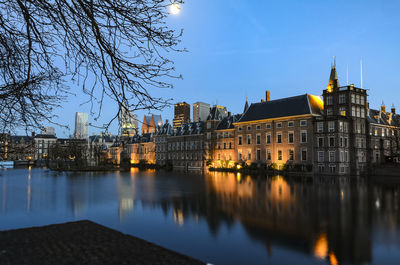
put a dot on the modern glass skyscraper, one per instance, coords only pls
(201, 111)
(81, 125)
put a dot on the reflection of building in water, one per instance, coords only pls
(126, 194)
(328, 220)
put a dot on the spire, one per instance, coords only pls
(333, 79)
(246, 106)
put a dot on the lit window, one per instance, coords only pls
(342, 111)
(279, 154)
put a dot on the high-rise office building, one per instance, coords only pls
(81, 125)
(181, 114)
(201, 111)
(129, 123)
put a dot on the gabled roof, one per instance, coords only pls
(165, 129)
(18, 139)
(192, 128)
(285, 107)
(383, 118)
(215, 114)
(157, 120)
(227, 122)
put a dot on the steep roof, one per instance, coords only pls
(227, 122)
(291, 106)
(383, 118)
(215, 114)
(157, 120)
(45, 136)
(192, 128)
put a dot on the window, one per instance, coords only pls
(304, 154)
(332, 168)
(303, 137)
(240, 128)
(357, 99)
(303, 123)
(331, 141)
(279, 154)
(224, 145)
(320, 156)
(258, 127)
(341, 156)
(291, 154)
(268, 126)
(291, 137)
(329, 100)
(320, 141)
(340, 126)
(342, 98)
(342, 111)
(353, 98)
(353, 111)
(240, 155)
(358, 111)
(345, 127)
(279, 138)
(240, 140)
(258, 139)
(279, 125)
(249, 139)
(362, 113)
(362, 100)
(329, 111)
(208, 135)
(258, 154)
(268, 154)
(230, 145)
(249, 128)
(331, 156)
(248, 155)
(268, 140)
(321, 168)
(208, 125)
(331, 126)
(290, 123)
(320, 127)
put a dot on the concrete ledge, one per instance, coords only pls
(82, 242)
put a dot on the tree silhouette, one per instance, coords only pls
(111, 48)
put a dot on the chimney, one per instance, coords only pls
(33, 134)
(262, 100)
(393, 109)
(267, 95)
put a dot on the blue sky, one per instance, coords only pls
(240, 48)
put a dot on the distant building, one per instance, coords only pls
(129, 123)
(181, 114)
(48, 131)
(150, 123)
(81, 125)
(43, 143)
(201, 111)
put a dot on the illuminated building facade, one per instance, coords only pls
(141, 149)
(162, 134)
(181, 114)
(129, 123)
(278, 132)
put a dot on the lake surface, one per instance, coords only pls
(218, 218)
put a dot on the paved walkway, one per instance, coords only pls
(82, 242)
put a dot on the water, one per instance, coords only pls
(218, 218)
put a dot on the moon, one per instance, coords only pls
(174, 9)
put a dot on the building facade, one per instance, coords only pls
(181, 114)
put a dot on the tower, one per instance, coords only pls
(181, 114)
(81, 125)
